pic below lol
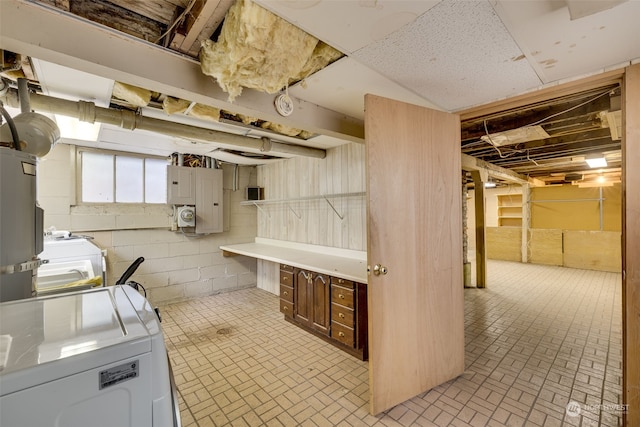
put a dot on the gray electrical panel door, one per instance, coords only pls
(181, 185)
(209, 200)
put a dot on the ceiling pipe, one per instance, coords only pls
(89, 112)
(23, 94)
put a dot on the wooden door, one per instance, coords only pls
(416, 309)
(320, 303)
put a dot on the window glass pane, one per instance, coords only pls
(97, 178)
(155, 181)
(128, 180)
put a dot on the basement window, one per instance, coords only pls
(109, 177)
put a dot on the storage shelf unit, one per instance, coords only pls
(510, 210)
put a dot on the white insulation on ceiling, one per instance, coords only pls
(134, 95)
(259, 50)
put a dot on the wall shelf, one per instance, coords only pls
(325, 197)
(510, 210)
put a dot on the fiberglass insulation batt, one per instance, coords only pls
(259, 50)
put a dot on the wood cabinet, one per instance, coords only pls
(286, 291)
(332, 308)
(349, 315)
(311, 299)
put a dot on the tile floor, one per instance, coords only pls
(537, 338)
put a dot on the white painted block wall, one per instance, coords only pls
(176, 267)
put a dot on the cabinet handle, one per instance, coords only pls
(340, 296)
(286, 293)
(341, 334)
(341, 281)
(341, 315)
(285, 308)
(285, 278)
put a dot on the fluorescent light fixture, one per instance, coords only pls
(489, 184)
(73, 128)
(597, 162)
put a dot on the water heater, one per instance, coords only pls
(21, 224)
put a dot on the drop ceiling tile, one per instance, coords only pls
(67, 83)
(560, 48)
(342, 85)
(457, 55)
(348, 25)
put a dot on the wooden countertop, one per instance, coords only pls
(345, 264)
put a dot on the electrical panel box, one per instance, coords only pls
(209, 200)
(200, 188)
(181, 186)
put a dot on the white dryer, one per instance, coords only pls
(85, 358)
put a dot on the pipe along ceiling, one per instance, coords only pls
(89, 112)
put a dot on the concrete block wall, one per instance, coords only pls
(176, 266)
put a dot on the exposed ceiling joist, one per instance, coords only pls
(472, 164)
(98, 50)
(207, 16)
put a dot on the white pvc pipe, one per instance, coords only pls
(89, 112)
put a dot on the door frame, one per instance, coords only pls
(629, 80)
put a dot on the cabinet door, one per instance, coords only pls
(301, 296)
(320, 303)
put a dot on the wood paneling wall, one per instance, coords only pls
(314, 221)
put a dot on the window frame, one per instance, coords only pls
(78, 175)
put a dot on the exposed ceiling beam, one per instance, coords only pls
(210, 13)
(470, 164)
(51, 35)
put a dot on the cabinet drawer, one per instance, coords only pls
(286, 278)
(286, 307)
(342, 315)
(285, 267)
(286, 293)
(342, 282)
(342, 296)
(342, 333)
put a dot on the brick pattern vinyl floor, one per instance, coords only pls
(537, 338)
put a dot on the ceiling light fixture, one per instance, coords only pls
(596, 162)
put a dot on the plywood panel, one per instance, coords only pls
(416, 310)
(569, 207)
(504, 243)
(593, 250)
(631, 245)
(545, 246)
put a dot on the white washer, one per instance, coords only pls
(86, 358)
